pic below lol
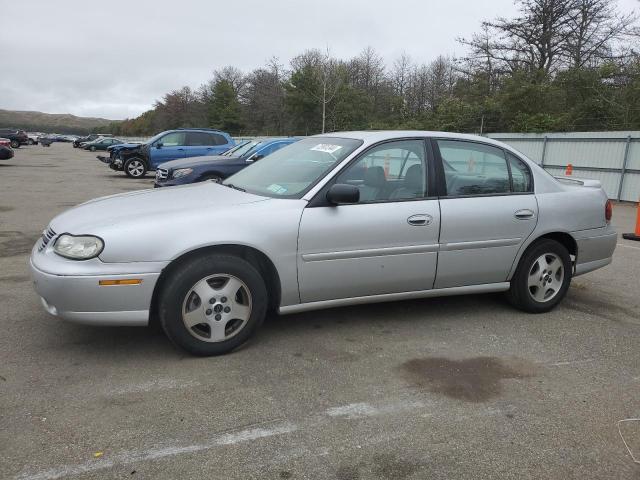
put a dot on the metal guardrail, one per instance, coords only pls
(617, 167)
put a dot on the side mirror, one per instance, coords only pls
(256, 157)
(159, 145)
(341, 193)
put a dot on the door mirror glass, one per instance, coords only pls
(341, 193)
(159, 145)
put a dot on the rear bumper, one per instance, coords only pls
(595, 249)
(80, 298)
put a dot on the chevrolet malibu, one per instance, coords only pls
(331, 220)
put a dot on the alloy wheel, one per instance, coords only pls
(546, 277)
(135, 168)
(216, 308)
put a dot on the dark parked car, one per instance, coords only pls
(170, 145)
(217, 167)
(102, 144)
(5, 149)
(15, 136)
(89, 138)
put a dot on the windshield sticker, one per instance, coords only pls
(277, 189)
(326, 148)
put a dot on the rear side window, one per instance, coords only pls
(520, 174)
(197, 139)
(217, 139)
(474, 168)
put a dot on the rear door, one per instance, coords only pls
(388, 242)
(199, 144)
(170, 147)
(488, 210)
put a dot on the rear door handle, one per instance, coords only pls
(420, 219)
(524, 214)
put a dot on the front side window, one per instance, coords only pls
(173, 139)
(388, 172)
(293, 170)
(474, 168)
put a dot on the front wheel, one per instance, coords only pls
(212, 304)
(14, 144)
(135, 168)
(542, 278)
(30, 142)
(93, 149)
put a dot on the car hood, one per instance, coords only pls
(106, 213)
(191, 162)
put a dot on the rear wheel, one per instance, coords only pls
(542, 278)
(135, 168)
(212, 304)
(31, 142)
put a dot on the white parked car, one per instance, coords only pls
(331, 220)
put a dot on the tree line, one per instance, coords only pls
(558, 65)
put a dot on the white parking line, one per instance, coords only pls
(274, 428)
(628, 246)
(153, 454)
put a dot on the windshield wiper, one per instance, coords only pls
(233, 186)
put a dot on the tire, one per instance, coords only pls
(215, 178)
(135, 168)
(14, 144)
(93, 149)
(542, 278)
(30, 142)
(227, 323)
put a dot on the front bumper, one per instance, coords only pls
(79, 297)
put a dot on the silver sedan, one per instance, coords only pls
(331, 220)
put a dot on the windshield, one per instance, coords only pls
(232, 150)
(244, 149)
(154, 138)
(294, 169)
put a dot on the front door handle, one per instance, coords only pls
(524, 214)
(420, 219)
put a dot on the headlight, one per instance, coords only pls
(82, 247)
(182, 172)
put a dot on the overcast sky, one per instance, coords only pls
(115, 60)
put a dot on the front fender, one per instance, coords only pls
(269, 226)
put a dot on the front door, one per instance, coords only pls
(170, 147)
(386, 243)
(488, 211)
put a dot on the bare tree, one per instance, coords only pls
(593, 29)
(325, 69)
(534, 40)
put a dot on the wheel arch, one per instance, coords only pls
(254, 256)
(564, 238)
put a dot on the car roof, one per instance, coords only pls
(371, 136)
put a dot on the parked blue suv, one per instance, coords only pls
(136, 160)
(217, 167)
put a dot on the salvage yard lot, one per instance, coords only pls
(457, 387)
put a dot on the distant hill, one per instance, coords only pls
(52, 122)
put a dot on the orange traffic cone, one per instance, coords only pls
(569, 170)
(635, 235)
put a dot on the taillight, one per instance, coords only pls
(608, 211)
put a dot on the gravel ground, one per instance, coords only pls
(459, 387)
